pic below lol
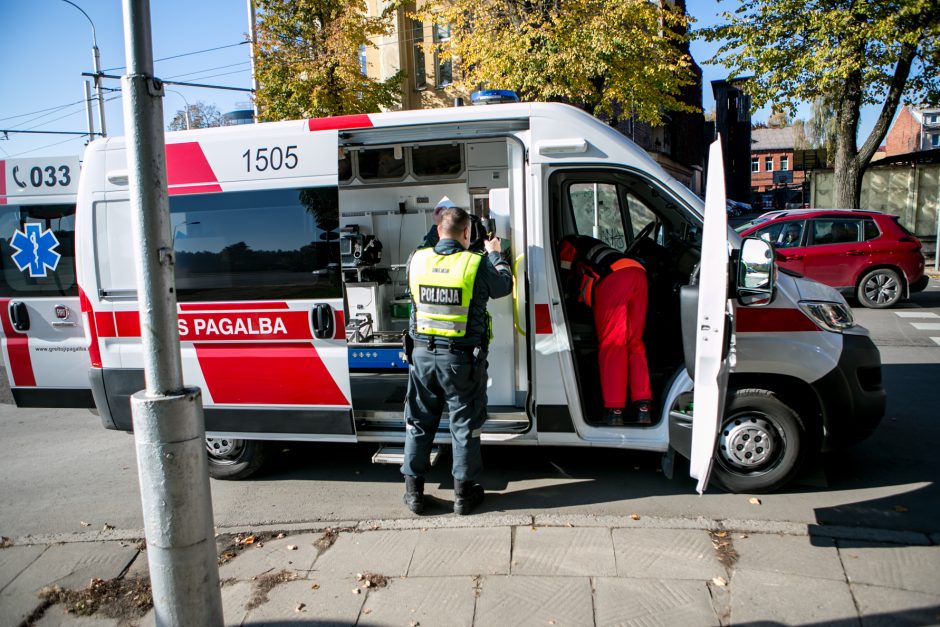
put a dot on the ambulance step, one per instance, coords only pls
(396, 455)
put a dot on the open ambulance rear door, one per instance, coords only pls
(42, 336)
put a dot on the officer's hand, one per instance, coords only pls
(492, 245)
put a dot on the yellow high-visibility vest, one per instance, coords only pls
(441, 288)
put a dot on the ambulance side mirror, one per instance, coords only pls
(756, 273)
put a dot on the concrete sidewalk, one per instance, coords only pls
(512, 570)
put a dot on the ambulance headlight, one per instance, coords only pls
(829, 316)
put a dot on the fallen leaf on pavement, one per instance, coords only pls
(280, 535)
(722, 534)
(84, 524)
(107, 527)
(358, 576)
(367, 610)
(413, 623)
(719, 581)
(742, 536)
(5, 542)
(551, 622)
(248, 540)
(634, 516)
(568, 525)
(300, 608)
(356, 591)
(754, 500)
(315, 586)
(291, 547)
(900, 509)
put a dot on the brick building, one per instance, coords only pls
(913, 130)
(772, 154)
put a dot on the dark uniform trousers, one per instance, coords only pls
(441, 380)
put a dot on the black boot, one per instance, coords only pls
(467, 495)
(414, 494)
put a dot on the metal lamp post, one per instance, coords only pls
(96, 56)
(186, 109)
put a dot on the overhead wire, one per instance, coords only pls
(210, 69)
(26, 152)
(57, 107)
(185, 54)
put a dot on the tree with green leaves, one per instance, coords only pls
(605, 56)
(201, 115)
(850, 52)
(307, 59)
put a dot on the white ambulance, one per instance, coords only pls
(45, 351)
(291, 240)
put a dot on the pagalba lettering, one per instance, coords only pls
(232, 326)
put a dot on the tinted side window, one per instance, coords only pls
(871, 230)
(272, 244)
(440, 160)
(380, 163)
(597, 204)
(829, 231)
(37, 250)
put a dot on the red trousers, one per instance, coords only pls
(619, 317)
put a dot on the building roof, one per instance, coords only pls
(772, 138)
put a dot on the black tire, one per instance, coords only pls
(880, 288)
(231, 458)
(761, 445)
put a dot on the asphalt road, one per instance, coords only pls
(61, 472)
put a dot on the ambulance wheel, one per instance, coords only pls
(761, 444)
(231, 458)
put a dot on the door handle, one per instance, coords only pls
(323, 320)
(515, 297)
(19, 316)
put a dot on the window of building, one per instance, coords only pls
(935, 140)
(932, 118)
(37, 250)
(768, 164)
(755, 165)
(363, 66)
(417, 38)
(784, 163)
(444, 68)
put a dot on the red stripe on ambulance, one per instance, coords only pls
(21, 364)
(230, 306)
(543, 319)
(286, 325)
(267, 374)
(188, 171)
(772, 319)
(339, 122)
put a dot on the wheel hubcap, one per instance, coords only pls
(222, 447)
(748, 442)
(881, 289)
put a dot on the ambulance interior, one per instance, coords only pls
(387, 194)
(636, 216)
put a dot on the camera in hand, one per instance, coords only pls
(481, 229)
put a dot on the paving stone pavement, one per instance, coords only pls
(490, 570)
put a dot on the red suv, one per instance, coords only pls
(867, 254)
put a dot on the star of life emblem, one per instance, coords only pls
(35, 250)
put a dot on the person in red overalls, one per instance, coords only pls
(614, 287)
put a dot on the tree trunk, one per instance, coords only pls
(847, 171)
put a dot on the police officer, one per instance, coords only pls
(450, 329)
(432, 236)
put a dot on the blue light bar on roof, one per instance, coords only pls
(493, 96)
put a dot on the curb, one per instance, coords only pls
(864, 534)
